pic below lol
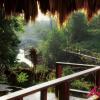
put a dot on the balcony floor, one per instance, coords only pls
(50, 96)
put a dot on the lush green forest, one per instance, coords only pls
(8, 39)
(48, 44)
(79, 35)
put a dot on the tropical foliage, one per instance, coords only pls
(8, 39)
(79, 35)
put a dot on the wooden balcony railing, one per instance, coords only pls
(61, 84)
(59, 67)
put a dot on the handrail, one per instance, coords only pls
(76, 64)
(45, 85)
(59, 67)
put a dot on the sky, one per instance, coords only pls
(42, 17)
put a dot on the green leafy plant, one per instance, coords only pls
(67, 71)
(22, 77)
(8, 39)
(3, 79)
(82, 84)
(52, 47)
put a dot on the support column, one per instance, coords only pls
(98, 78)
(59, 70)
(58, 75)
(64, 91)
(43, 95)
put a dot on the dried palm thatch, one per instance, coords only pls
(61, 7)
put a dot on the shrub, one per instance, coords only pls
(22, 78)
(67, 71)
(41, 68)
(81, 84)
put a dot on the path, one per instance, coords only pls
(50, 96)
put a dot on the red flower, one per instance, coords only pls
(94, 91)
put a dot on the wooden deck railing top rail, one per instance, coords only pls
(40, 87)
(76, 64)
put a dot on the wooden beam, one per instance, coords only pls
(16, 98)
(75, 64)
(79, 91)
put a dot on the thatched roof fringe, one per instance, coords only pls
(19, 6)
(62, 7)
(44, 5)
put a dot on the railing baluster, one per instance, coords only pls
(98, 78)
(64, 91)
(59, 71)
(43, 94)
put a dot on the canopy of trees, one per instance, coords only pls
(79, 35)
(8, 39)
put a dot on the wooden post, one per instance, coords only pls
(43, 94)
(58, 71)
(64, 91)
(98, 78)
(58, 75)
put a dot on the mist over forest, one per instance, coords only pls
(34, 33)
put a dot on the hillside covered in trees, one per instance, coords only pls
(79, 35)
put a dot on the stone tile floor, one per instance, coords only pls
(50, 96)
(36, 96)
